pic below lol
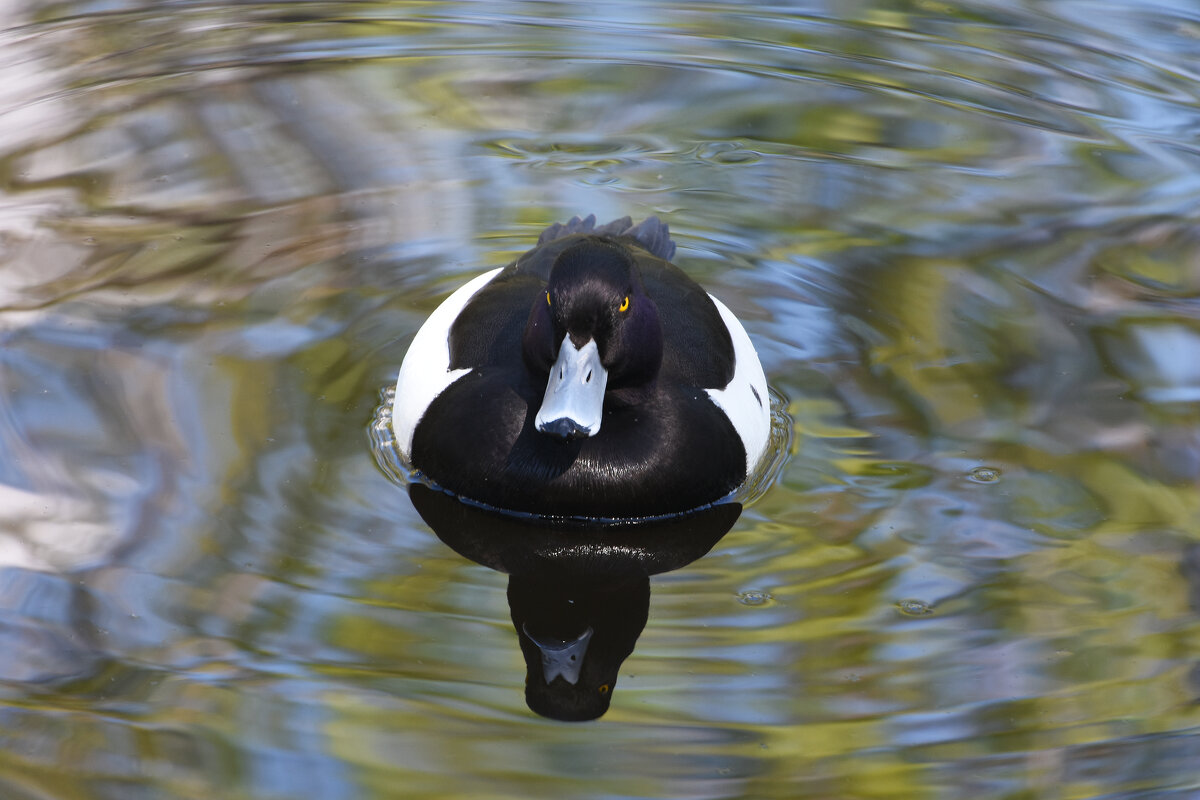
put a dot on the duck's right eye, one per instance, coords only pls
(547, 298)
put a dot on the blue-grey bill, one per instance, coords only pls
(574, 399)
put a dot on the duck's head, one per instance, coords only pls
(594, 330)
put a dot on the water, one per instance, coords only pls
(963, 238)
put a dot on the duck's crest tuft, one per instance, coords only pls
(652, 233)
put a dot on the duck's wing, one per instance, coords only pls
(651, 233)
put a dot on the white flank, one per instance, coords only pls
(425, 372)
(751, 417)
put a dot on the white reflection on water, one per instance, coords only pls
(1169, 363)
(961, 238)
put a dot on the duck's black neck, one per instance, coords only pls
(632, 395)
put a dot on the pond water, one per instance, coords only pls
(963, 238)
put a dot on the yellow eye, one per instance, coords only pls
(603, 689)
(624, 304)
(547, 298)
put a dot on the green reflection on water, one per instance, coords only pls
(962, 239)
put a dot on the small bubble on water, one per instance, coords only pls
(984, 475)
(914, 608)
(753, 597)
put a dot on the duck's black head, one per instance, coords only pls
(595, 330)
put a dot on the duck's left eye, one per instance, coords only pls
(624, 304)
(547, 298)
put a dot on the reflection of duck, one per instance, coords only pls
(590, 377)
(574, 637)
(572, 550)
(579, 593)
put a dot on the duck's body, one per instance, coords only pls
(591, 377)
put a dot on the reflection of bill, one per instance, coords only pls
(561, 658)
(578, 591)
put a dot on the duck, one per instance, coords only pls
(590, 378)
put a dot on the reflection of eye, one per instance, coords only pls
(624, 304)
(603, 689)
(547, 298)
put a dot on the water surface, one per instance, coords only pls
(964, 240)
